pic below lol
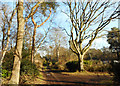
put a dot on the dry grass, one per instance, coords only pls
(86, 73)
(92, 77)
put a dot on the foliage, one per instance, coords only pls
(107, 54)
(94, 54)
(46, 63)
(52, 64)
(115, 69)
(95, 66)
(90, 65)
(8, 61)
(65, 55)
(55, 66)
(7, 64)
(88, 62)
(6, 73)
(114, 40)
(25, 52)
(72, 66)
(28, 68)
(44, 6)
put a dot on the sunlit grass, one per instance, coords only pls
(106, 81)
(86, 73)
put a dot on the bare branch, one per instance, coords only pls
(32, 10)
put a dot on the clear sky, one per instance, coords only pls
(62, 20)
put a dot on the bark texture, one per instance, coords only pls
(19, 44)
(33, 45)
(80, 62)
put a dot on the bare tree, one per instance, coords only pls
(88, 19)
(58, 39)
(19, 41)
(34, 34)
(7, 22)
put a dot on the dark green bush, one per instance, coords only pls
(8, 61)
(89, 65)
(28, 68)
(7, 64)
(72, 66)
(55, 66)
(115, 69)
(46, 63)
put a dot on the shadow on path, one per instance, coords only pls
(77, 83)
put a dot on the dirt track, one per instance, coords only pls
(64, 78)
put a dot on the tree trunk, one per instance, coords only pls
(19, 44)
(80, 63)
(79, 68)
(3, 40)
(4, 48)
(118, 56)
(33, 45)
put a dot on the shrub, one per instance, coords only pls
(5, 73)
(55, 66)
(88, 62)
(62, 67)
(89, 65)
(115, 69)
(45, 63)
(8, 61)
(95, 66)
(72, 66)
(7, 64)
(28, 68)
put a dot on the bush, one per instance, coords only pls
(28, 68)
(46, 63)
(5, 73)
(72, 66)
(88, 62)
(92, 66)
(7, 64)
(55, 66)
(115, 69)
(95, 66)
(8, 61)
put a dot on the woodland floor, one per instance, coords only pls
(49, 77)
(70, 78)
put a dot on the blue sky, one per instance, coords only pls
(98, 43)
(62, 20)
